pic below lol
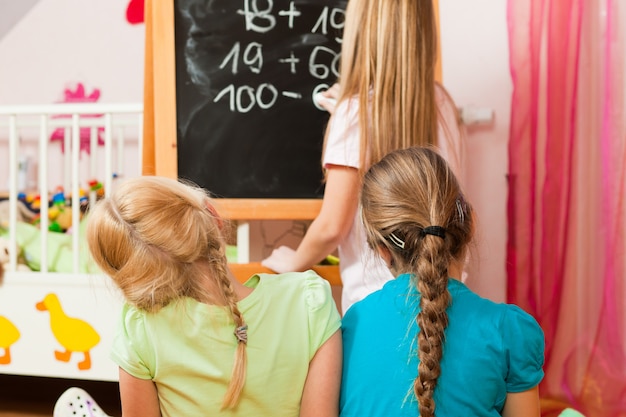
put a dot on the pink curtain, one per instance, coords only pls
(566, 259)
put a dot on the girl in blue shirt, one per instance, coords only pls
(425, 344)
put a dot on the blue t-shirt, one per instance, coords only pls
(490, 349)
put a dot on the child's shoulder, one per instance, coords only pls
(497, 313)
(288, 279)
(308, 284)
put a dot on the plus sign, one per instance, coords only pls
(292, 12)
(292, 60)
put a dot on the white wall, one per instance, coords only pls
(475, 56)
(62, 42)
(11, 12)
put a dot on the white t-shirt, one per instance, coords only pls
(362, 270)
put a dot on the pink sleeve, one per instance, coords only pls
(342, 144)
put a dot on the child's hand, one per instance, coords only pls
(281, 260)
(328, 99)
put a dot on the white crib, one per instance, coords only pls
(60, 323)
(31, 340)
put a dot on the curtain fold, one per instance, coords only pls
(565, 249)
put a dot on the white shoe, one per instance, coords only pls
(570, 412)
(76, 402)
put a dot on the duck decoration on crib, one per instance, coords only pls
(9, 334)
(75, 335)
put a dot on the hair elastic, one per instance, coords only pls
(241, 333)
(434, 231)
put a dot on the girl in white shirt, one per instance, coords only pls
(387, 99)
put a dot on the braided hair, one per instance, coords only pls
(412, 205)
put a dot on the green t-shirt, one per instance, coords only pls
(188, 348)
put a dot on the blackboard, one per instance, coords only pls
(246, 74)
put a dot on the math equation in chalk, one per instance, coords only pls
(320, 63)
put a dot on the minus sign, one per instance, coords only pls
(291, 94)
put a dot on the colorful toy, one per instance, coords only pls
(63, 221)
(60, 211)
(97, 186)
(59, 207)
(32, 201)
(58, 223)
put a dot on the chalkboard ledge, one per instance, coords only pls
(244, 271)
(268, 209)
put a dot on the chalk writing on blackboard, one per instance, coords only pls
(247, 72)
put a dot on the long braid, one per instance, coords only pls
(217, 262)
(238, 375)
(215, 257)
(432, 270)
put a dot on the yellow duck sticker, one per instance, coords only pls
(73, 334)
(9, 334)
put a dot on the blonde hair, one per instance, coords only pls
(160, 240)
(388, 59)
(403, 194)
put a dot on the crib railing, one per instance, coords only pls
(80, 128)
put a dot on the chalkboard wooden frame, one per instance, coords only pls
(160, 122)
